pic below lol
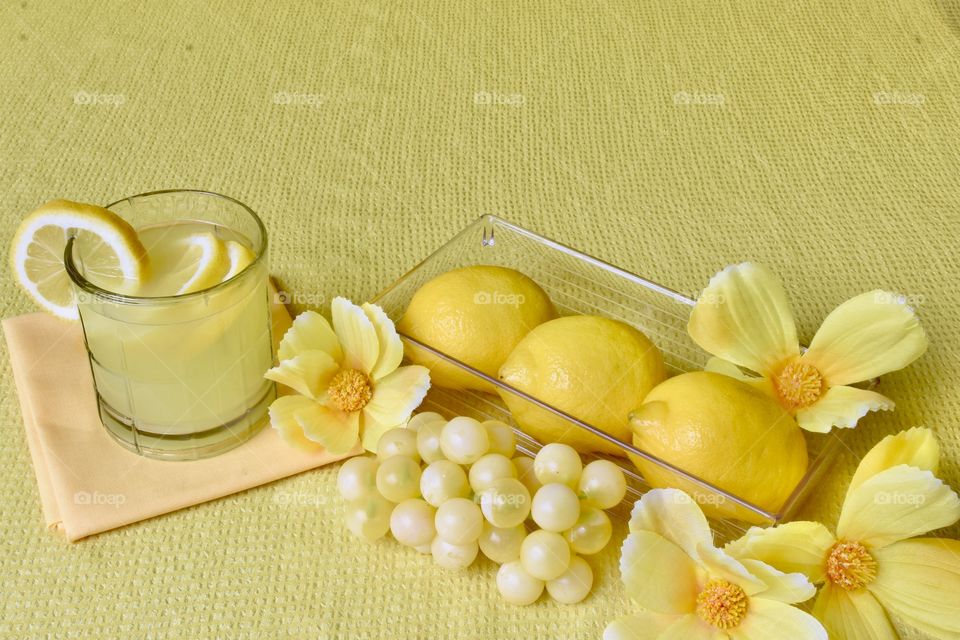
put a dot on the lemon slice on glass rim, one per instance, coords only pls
(110, 247)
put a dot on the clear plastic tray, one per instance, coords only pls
(580, 284)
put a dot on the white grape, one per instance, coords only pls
(545, 554)
(459, 521)
(443, 480)
(425, 548)
(453, 556)
(357, 478)
(502, 544)
(428, 441)
(573, 585)
(464, 440)
(368, 518)
(557, 462)
(591, 533)
(398, 478)
(603, 484)
(505, 503)
(555, 507)
(502, 438)
(398, 442)
(425, 417)
(490, 467)
(412, 522)
(526, 475)
(516, 586)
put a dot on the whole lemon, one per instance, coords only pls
(593, 368)
(724, 431)
(475, 314)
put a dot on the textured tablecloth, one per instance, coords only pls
(670, 138)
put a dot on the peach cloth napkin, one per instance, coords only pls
(88, 483)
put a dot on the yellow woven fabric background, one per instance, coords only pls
(668, 137)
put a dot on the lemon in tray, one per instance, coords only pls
(593, 368)
(476, 315)
(724, 431)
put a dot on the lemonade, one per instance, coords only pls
(178, 355)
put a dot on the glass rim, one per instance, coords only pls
(113, 296)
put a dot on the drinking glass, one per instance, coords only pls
(180, 377)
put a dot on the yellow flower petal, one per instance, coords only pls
(727, 368)
(722, 566)
(357, 335)
(309, 331)
(337, 431)
(282, 419)
(394, 399)
(691, 627)
(916, 447)
(790, 588)
(867, 336)
(645, 625)
(767, 619)
(792, 547)
(719, 365)
(391, 347)
(674, 515)
(896, 504)
(308, 373)
(919, 582)
(372, 431)
(657, 574)
(743, 316)
(852, 615)
(841, 407)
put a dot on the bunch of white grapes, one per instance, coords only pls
(453, 489)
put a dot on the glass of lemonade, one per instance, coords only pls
(179, 376)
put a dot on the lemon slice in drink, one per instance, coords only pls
(184, 264)
(211, 265)
(188, 259)
(109, 246)
(240, 257)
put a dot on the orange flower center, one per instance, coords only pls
(798, 385)
(722, 604)
(850, 566)
(350, 390)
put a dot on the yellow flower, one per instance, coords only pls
(872, 566)
(348, 377)
(743, 318)
(691, 590)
